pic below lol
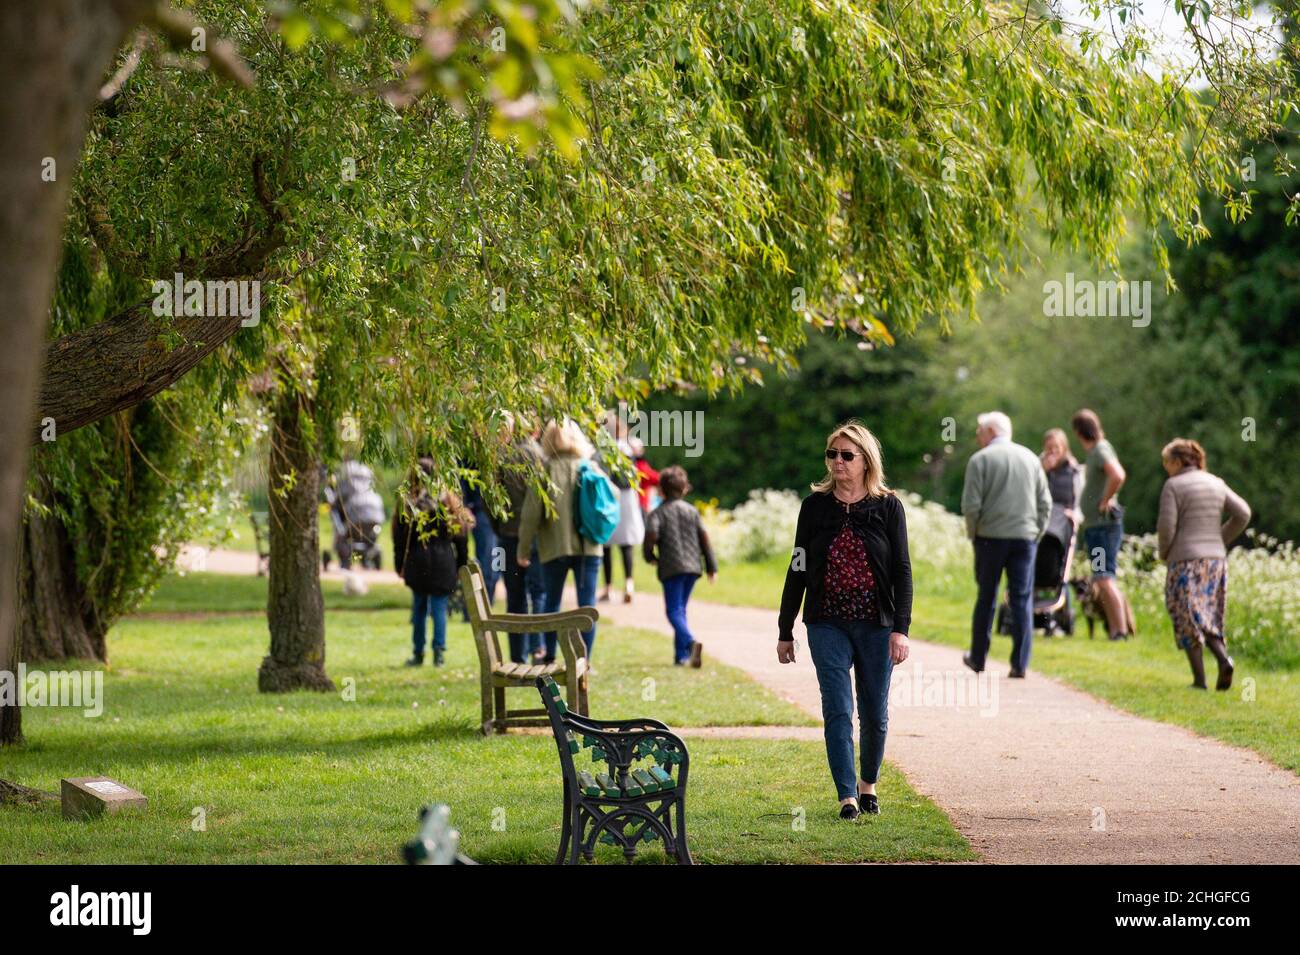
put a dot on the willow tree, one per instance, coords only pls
(69, 65)
(741, 168)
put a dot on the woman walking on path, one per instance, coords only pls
(429, 550)
(676, 529)
(559, 545)
(1103, 517)
(851, 572)
(1193, 541)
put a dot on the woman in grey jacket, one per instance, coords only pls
(1193, 539)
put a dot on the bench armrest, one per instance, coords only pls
(584, 619)
(617, 726)
(620, 746)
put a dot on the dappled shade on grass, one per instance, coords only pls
(312, 777)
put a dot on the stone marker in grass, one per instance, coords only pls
(88, 796)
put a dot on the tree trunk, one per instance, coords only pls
(53, 56)
(295, 610)
(53, 617)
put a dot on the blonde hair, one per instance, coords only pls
(874, 474)
(564, 439)
(1059, 434)
(1186, 452)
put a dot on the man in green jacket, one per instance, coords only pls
(1006, 504)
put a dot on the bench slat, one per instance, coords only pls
(664, 780)
(588, 784)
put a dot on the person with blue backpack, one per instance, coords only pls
(586, 511)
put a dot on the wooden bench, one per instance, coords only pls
(634, 797)
(498, 674)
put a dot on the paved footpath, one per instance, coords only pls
(1033, 770)
(1028, 770)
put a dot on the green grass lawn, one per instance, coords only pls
(204, 593)
(1146, 675)
(319, 778)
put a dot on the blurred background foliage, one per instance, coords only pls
(1218, 362)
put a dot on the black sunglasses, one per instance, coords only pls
(844, 455)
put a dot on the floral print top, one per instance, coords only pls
(849, 588)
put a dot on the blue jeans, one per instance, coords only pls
(864, 648)
(485, 542)
(677, 591)
(992, 556)
(1107, 539)
(427, 605)
(535, 583)
(586, 572)
(521, 585)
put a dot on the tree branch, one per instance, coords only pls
(179, 29)
(117, 363)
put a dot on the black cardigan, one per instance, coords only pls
(427, 563)
(882, 526)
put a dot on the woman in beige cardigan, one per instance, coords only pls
(559, 545)
(1193, 543)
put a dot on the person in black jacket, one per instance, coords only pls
(851, 572)
(524, 586)
(429, 549)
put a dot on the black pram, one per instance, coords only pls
(357, 515)
(1053, 603)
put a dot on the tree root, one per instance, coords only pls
(276, 677)
(12, 793)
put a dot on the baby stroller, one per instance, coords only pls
(1053, 603)
(357, 514)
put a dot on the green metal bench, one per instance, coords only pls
(635, 792)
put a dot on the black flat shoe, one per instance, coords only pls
(965, 658)
(869, 804)
(1017, 674)
(415, 660)
(849, 811)
(1225, 676)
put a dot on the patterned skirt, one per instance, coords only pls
(1195, 593)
